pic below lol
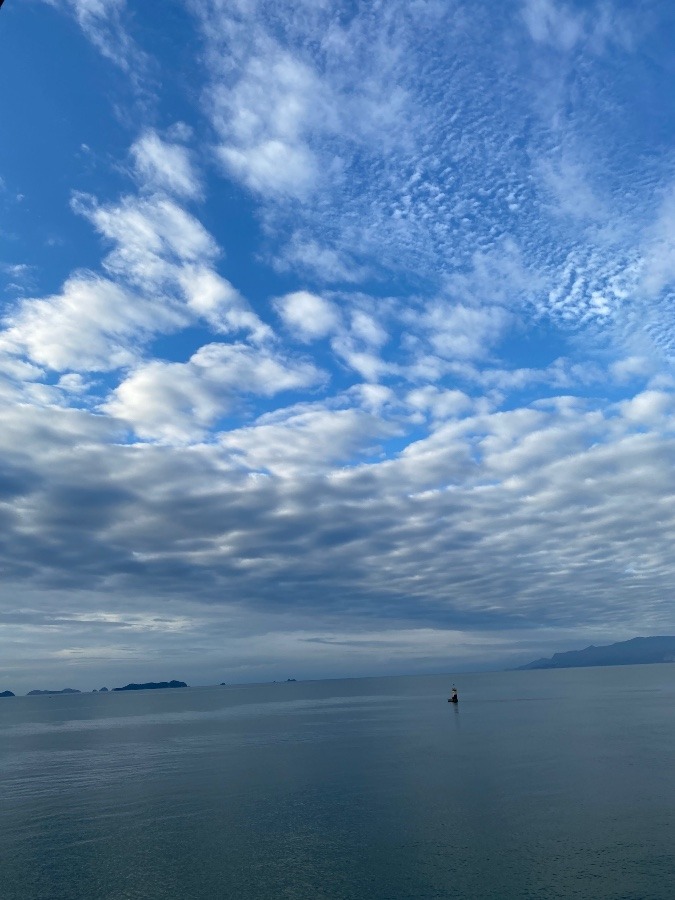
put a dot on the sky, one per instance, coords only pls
(336, 337)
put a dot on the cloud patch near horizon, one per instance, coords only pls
(541, 493)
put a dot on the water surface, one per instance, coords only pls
(537, 785)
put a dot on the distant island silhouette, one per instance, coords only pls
(637, 651)
(148, 686)
(64, 691)
(151, 686)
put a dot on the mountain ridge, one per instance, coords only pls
(636, 651)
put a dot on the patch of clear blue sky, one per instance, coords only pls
(50, 108)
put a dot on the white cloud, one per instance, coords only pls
(360, 109)
(356, 333)
(553, 23)
(263, 122)
(102, 22)
(164, 166)
(559, 25)
(152, 235)
(366, 328)
(441, 404)
(93, 324)
(307, 439)
(659, 254)
(364, 361)
(272, 165)
(161, 248)
(309, 255)
(73, 383)
(457, 331)
(282, 104)
(161, 280)
(631, 367)
(213, 298)
(649, 408)
(571, 190)
(307, 315)
(16, 270)
(374, 398)
(178, 401)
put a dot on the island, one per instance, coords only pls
(7, 694)
(64, 691)
(152, 686)
(637, 651)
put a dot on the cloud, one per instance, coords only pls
(363, 360)
(73, 383)
(659, 257)
(307, 315)
(151, 234)
(262, 123)
(631, 367)
(307, 255)
(440, 404)
(15, 270)
(178, 401)
(365, 327)
(559, 25)
(397, 183)
(102, 22)
(92, 324)
(572, 194)
(308, 439)
(214, 298)
(280, 109)
(161, 247)
(649, 408)
(553, 23)
(161, 165)
(540, 493)
(160, 279)
(357, 335)
(272, 164)
(462, 332)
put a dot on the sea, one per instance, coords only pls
(537, 784)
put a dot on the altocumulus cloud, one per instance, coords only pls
(370, 369)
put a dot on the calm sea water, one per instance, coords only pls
(538, 785)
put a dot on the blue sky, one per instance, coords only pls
(336, 337)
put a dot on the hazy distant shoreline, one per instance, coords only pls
(634, 652)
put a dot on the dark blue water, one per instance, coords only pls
(538, 785)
